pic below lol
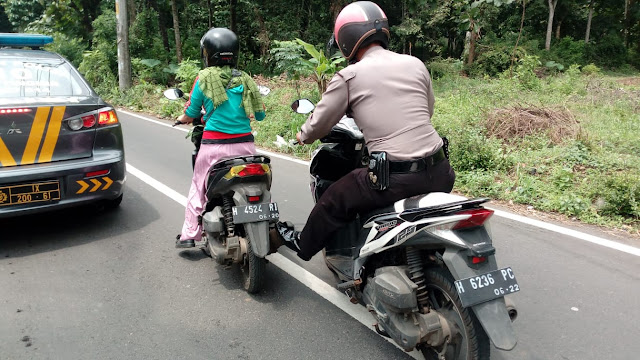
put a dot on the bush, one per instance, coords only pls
(525, 72)
(567, 51)
(187, 72)
(94, 67)
(619, 195)
(105, 39)
(71, 48)
(609, 51)
(444, 68)
(590, 69)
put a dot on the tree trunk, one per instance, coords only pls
(588, 33)
(233, 4)
(558, 26)
(176, 30)
(473, 36)
(131, 11)
(626, 23)
(552, 9)
(210, 13)
(162, 21)
(124, 61)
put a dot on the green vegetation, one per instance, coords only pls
(543, 113)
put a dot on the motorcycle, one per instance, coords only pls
(424, 267)
(239, 211)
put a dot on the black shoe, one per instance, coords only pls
(189, 243)
(288, 235)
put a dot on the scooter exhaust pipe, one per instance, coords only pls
(511, 309)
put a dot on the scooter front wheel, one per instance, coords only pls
(253, 269)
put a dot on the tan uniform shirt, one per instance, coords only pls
(390, 97)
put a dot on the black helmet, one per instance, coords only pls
(359, 24)
(219, 47)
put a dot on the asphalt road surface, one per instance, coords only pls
(86, 284)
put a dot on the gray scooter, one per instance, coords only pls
(238, 212)
(425, 267)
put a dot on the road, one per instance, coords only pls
(81, 284)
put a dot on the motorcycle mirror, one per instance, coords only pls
(302, 106)
(264, 91)
(173, 94)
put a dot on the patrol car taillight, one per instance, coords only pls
(14, 111)
(107, 117)
(88, 121)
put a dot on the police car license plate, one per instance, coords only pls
(254, 213)
(29, 193)
(486, 287)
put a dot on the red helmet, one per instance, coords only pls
(359, 24)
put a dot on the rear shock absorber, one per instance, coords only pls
(227, 204)
(416, 274)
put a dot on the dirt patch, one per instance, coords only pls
(629, 81)
(518, 122)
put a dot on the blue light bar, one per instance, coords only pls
(24, 40)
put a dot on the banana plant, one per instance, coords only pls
(321, 67)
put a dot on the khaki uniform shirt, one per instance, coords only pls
(390, 97)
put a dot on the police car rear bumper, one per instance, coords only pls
(81, 181)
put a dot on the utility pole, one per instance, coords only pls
(124, 61)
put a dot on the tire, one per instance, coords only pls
(253, 269)
(113, 204)
(471, 342)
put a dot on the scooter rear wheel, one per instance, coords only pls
(253, 269)
(469, 342)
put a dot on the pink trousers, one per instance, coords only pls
(208, 155)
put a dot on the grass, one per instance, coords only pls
(592, 176)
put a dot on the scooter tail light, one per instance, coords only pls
(253, 198)
(478, 218)
(478, 259)
(248, 170)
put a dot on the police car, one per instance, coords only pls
(60, 143)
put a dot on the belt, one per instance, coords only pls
(416, 165)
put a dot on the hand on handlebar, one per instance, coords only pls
(183, 119)
(297, 140)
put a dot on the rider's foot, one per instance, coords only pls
(284, 234)
(188, 243)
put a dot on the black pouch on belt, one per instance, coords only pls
(378, 171)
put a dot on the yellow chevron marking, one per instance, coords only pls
(6, 159)
(35, 136)
(97, 185)
(108, 183)
(53, 131)
(83, 186)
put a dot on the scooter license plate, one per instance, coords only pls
(255, 212)
(486, 287)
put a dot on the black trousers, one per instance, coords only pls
(351, 195)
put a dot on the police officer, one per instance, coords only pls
(391, 99)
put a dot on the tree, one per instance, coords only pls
(124, 61)
(590, 16)
(22, 12)
(552, 9)
(176, 30)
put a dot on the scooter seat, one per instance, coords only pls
(428, 202)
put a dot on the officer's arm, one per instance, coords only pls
(328, 112)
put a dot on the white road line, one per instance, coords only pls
(537, 223)
(311, 281)
(569, 232)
